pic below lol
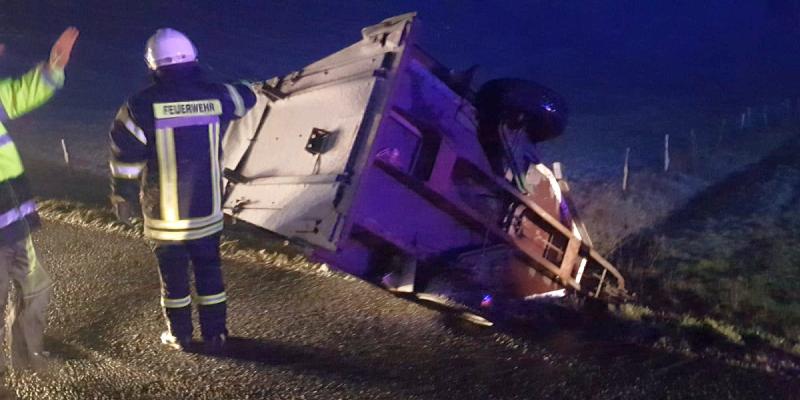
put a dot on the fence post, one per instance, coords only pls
(693, 150)
(625, 170)
(64, 150)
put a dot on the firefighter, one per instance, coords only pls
(18, 217)
(165, 145)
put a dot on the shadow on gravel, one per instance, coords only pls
(304, 359)
(64, 351)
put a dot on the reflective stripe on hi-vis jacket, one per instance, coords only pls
(15, 214)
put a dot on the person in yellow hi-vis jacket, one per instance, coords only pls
(18, 218)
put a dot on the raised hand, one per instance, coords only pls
(59, 54)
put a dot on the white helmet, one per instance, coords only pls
(167, 47)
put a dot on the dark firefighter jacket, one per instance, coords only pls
(18, 96)
(166, 141)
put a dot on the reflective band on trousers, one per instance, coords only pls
(212, 299)
(176, 303)
(16, 214)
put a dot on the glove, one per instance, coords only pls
(62, 49)
(122, 210)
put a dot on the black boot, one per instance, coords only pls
(179, 324)
(213, 327)
(215, 344)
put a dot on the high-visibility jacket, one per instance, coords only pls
(18, 96)
(165, 143)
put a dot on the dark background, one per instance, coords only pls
(730, 50)
(630, 70)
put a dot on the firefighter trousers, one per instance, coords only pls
(20, 266)
(174, 259)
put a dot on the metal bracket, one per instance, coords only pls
(272, 92)
(318, 141)
(234, 176)
(239, 205)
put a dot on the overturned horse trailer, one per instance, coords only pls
(371, 158)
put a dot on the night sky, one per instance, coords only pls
(585, 49)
